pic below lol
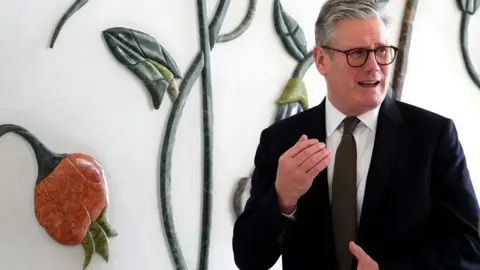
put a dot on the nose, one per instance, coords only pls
(371, 63)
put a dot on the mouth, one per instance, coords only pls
(370, 83)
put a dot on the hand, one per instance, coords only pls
(364, 261)
(297, 168)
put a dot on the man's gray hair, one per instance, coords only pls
(335, 10)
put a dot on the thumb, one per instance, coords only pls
(357, 251)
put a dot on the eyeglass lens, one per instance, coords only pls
(383, 55)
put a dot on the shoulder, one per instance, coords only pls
(428, 130)
(283, 134)
(299, 121)
(422, 119)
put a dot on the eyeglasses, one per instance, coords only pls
(384, 55)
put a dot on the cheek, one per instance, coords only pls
(352, 76)
(345, 77)
(352, 71)
(385, 71)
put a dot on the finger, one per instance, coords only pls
(358, 252)
(320, 166)
(307, 153)
(300, 146)
(314, 159)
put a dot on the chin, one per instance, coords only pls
(372, 99)
(372, 104)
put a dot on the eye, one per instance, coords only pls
(357, 52)
(382, 50)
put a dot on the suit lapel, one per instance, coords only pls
(318, 193)
(389, 139)
(314, 214)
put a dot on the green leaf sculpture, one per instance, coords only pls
(96, 240)
(290, 32)
(103, 222)
(100, 239)
(89, 247)
(295, 91)
(147, 59)
(78, 4)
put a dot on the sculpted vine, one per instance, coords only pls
(468, 8)
(156, 68)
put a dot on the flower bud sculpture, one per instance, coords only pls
(70, 197)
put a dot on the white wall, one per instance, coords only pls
(78, 98)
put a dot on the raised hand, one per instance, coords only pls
(297, 168)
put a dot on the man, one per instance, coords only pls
(360, 181)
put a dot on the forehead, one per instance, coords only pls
(360, 33)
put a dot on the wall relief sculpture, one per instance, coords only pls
(70, 197)
(157, 69)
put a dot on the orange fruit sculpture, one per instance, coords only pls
(70, 197)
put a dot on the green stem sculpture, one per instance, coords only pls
(46, 159)
(303, 66)
(166, 162)
(77, 5)
(468, 9)
(207, 135)
(200, 65)
(243, 26)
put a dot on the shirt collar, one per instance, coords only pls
(334, 118)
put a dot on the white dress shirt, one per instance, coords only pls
(364, 135)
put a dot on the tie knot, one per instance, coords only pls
(349, 124)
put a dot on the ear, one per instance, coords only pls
(321, 59)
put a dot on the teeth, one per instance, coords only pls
(368, 83)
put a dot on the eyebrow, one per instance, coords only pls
(375, 45)
(381, 43)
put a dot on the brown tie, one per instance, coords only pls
(344, 194)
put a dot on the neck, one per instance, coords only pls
(350, 110)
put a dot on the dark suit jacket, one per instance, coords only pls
(420, 211)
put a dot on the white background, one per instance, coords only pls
(78, 98)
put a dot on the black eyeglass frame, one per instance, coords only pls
(347, 52)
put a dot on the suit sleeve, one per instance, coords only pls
(454, 235)
(259, 231)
